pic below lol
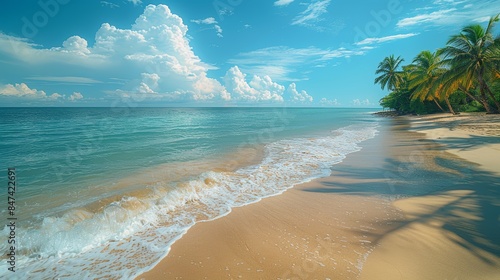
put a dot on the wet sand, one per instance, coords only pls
(402, 208)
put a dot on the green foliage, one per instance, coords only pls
(462, 103)
(464, 76)
(401, 102)
(389, 76)
(397, 100)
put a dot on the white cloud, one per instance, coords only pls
(283, 2)
(357, 102)
(136, 2)
(482, 19)
(32, 55)
(75, 80)
(210, 21)
(341, 52)
(434, 17)
(281, 62)
(153, 59)
(259, 88)
(149, 83)
(76, 44)
(448, 12)
(23, 91)
(109, 4)
(453, 2)
(328, 102)
(218, 29)
(296, 96)
(369, 41)
(157, 46)
(312, 13)
(55, 96)
(75, 96)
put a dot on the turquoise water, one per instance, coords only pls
(110, 189)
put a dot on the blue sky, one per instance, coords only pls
(215, 52)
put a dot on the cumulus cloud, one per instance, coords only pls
(56, 96)
(22, 90)
(21, 50)
(149, 83)
(75, 96)
(210, 21)
(328, 102)
(358, 102)
(152, 59)
(76, 44)
(297, 96)
(157, 45)
(259, 88)
(283, 2)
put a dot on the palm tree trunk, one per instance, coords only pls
(492, 97)
(469, 94)
(439, 106)
(484, 100)
(449, 106)
(482, 88)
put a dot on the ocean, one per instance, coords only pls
(104, 192)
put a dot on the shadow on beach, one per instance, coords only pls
(469, 197)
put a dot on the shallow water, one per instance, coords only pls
(104, 192)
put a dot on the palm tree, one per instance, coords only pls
(425, 72)
(450, 83)
(390, 76)
(474, 56)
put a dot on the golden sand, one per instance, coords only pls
(402, 208)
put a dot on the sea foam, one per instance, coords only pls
(130, 235)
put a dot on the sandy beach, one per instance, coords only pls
(410, 205)
(452, 232)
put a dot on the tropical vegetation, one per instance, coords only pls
(462, 76)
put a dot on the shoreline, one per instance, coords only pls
(299, 233)
(329, 227)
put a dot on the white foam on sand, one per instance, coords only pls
(131, 235)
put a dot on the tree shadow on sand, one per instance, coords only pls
(467, 144)
(472, 212)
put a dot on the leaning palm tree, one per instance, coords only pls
(474, 56)
(425, 72)
(389, 75)
(450, 83)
